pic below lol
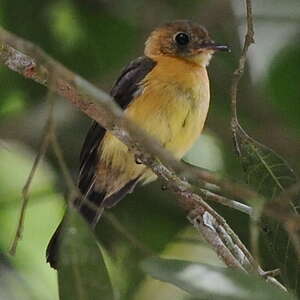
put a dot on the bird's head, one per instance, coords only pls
(185, 39)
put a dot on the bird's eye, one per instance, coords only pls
(182, 39)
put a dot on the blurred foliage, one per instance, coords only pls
(209, 282)
(45, 201)
(283, 85)
(82, 273)
(96, 38)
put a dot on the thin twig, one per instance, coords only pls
(210, 196)
(26, 189)
(239, 71)
(218, 244)
(237, 75)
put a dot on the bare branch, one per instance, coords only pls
(210, 196)
(26, 189)
(238, 73)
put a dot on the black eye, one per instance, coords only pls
(182, 38)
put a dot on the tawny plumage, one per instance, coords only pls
(176, 104)
(166, 93)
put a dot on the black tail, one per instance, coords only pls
(90, 213)
(91, 210)
(93, 201)
(52, 248)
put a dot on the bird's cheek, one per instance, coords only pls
(202, 58)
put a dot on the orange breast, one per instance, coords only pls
(174, 103)
(172, 107)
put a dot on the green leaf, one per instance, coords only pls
(210, 282)
(269, 174)
(82, 273)
(266, 171)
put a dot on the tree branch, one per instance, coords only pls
(239, 71)
(45, 140)
(210, 196)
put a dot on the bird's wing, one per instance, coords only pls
(124, 92)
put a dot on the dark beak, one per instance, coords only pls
(223, 48)
(211, 45)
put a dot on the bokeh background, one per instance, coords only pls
(96, 38)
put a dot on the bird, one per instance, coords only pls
(165, 92)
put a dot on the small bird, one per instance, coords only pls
(166, 93)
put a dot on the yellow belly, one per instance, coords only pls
(172, 108)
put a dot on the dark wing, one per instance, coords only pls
(123, 91)
(128, 82)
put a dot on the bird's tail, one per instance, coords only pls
(52, 248)
(91, 209)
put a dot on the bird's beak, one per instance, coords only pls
(213, 46)
(217, 47)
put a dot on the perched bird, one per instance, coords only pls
(165, 92)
